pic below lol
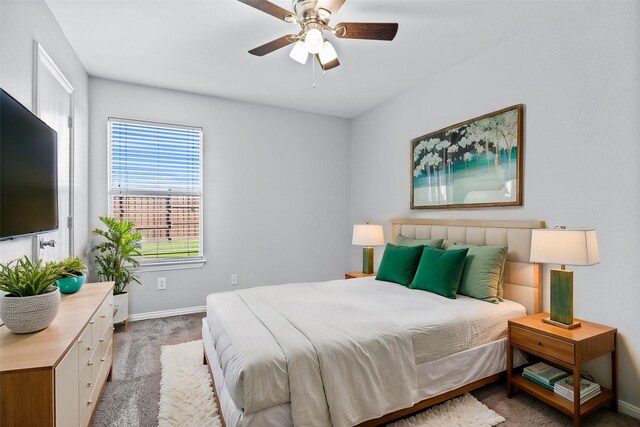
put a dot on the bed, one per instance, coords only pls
(362, 351)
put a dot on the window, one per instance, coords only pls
(155, 181)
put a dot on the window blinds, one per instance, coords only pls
(155, 181)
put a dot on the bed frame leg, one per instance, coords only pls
(204, 357)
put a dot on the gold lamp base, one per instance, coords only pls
(367, 260)
(562, 299)
(561, 325)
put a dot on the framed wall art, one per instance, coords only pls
(476, 163)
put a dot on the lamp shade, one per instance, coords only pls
(328, 53)
(368, 235)
(560, 246)
(314, 40)
(299, 52)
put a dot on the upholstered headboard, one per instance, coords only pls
(523, 279)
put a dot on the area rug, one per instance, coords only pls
(463, 411)
(186, 397)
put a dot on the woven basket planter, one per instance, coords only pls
(23, 315)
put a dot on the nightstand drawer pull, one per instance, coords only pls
(542, 344)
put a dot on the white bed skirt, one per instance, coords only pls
(434, 378)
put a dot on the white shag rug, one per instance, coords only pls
(186, 394)
(186, 397)
(463, 411)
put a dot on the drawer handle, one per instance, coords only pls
(79, 341)
(89, 402)
(89, 385)
(103, 316)
(101, 339)
(539, 342)
(102, 360)
(89, 363)
(91, 322)
(89, 348)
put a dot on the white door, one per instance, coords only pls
(53, 103)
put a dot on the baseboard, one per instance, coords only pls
(629, 409)
(167, 313)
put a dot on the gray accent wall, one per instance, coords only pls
(579, 76)
(276, 191)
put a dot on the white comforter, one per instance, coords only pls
(341, 352)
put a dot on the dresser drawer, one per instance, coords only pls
(106, 315)
(105, 365)
(96, 331)
(85, 387)
(85, 349)
(542, 344)
(105, 344)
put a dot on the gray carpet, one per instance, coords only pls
(131, 398)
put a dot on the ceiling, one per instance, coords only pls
(201, 46)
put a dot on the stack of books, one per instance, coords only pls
(544, 375)
(588, 389)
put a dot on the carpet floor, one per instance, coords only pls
(131, 398)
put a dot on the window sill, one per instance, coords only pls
(169, 265)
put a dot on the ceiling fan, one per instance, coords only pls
(313, 16)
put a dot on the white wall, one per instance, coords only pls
(578, 75)
(276, 190)
(22, 22)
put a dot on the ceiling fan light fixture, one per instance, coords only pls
(299, 52)
(327, 54)
(313, 40)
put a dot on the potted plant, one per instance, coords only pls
(117, 254)
(32, 299)
(71, 274)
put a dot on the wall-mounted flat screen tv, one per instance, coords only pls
(28, 172)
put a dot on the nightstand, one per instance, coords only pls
(357, 274)
(568, 349)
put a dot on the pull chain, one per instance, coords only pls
(313, 68)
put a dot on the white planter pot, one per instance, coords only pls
(121, 302)
(23, 315)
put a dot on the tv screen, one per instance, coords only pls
(28, 171)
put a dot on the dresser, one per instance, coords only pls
(54, 377)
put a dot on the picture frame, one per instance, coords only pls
(475, 163)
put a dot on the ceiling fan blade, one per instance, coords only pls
(273, 45)
(332, 6)
(366, 30)
(268, 7)
(329, 65)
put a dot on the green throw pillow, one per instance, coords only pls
(399, 263)
(483, 271)
(406, 241)
(439, 271)
(501, 285)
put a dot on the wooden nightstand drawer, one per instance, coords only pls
(540, 343)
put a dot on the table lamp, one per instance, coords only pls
(562, 246)
(367, 235)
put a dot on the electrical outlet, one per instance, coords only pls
(162, 283)
(234, 279)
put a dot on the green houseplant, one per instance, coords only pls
(71, 274)
(32, 299)
(117, 253)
